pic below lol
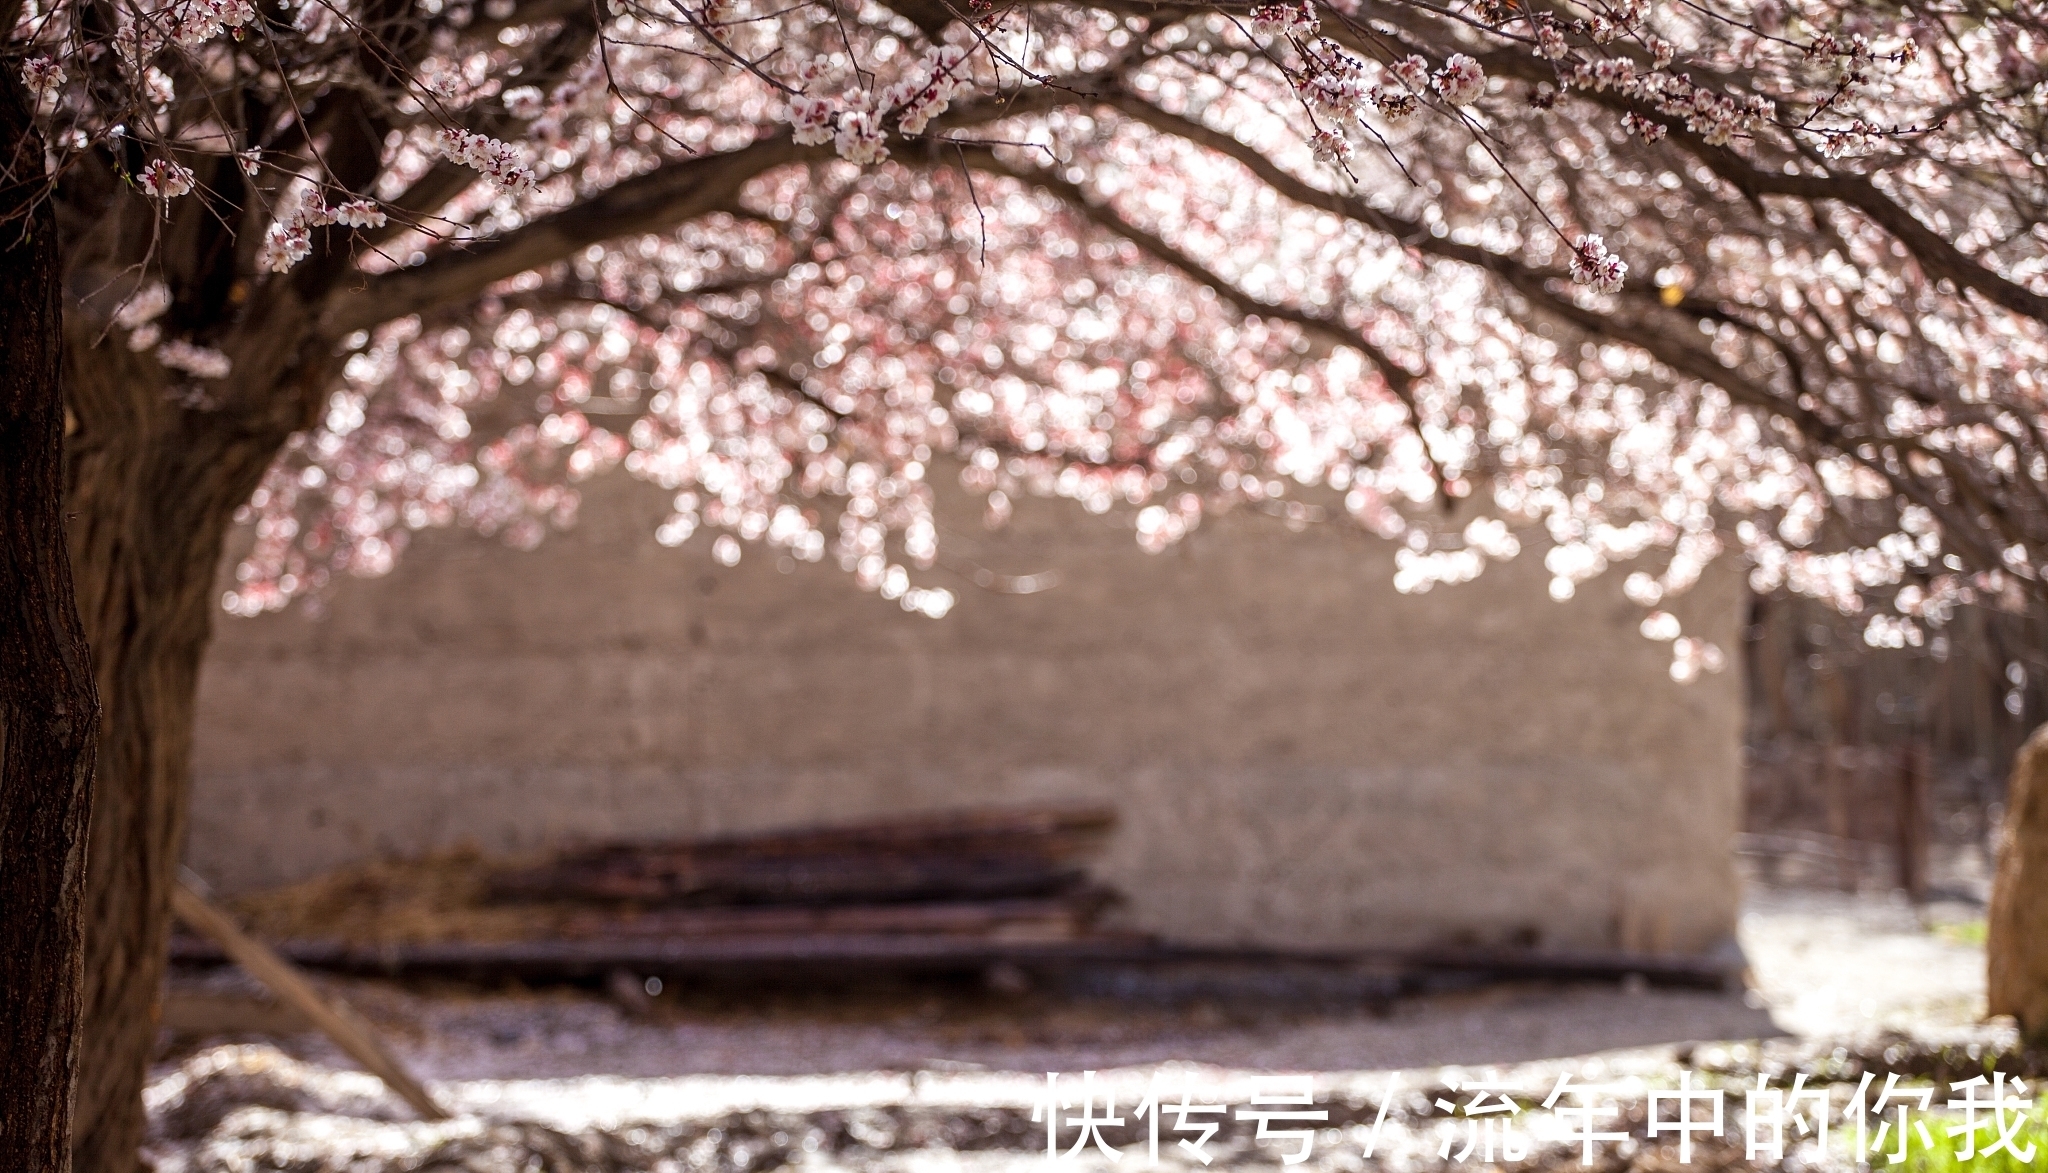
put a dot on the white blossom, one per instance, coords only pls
(144, 305)
(1335, 88)
(158, 87)
(43, 77)
(524, 102)
(359, 214)
(318, 21)
(1461, 81)
(1330, 147)
(859, 138)
(202, 361)
(1593, 265)
(480, 152)
(165, 179)
(284, 246)
(1281, 20)
(1649, 130)
(195, 22)
(312, 211)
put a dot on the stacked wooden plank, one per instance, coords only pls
(956, 887)
(954, 880)
(1056, 918)
(964, 855)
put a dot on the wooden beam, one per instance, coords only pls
(846, 952)
(334, 1018)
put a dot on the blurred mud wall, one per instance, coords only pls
(1300, 755)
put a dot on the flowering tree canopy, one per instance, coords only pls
(1657, 278)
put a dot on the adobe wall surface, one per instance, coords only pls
(1299, 754)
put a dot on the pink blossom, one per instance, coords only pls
(312, 211)
(1412, 71)
(1615, 73)
(811, 119)
(147, 304)
(930, 89)
(1074, 303)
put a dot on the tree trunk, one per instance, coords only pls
(153, 487)
(47, 704)
(1915, 813)
(2018, 923)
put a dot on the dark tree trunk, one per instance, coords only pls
(48, 708)
(153, 487)
(2018, 922)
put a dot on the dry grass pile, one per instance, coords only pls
(438, 897)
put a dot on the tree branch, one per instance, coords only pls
(1399, 379)
(659, 200)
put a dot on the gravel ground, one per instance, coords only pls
(1835, 965)
(908, 1080)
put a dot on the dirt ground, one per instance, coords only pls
(921, 1077)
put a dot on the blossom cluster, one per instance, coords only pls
(480, 152)
(195, 22)
(1718, 118)
(920, 99)
(1336, 87)
(290, 238)
(1285, 20)
(854, 123)
(1593, 265)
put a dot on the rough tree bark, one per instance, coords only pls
(48, 708)
(2018, 945)
(153, 487)
(156, 467)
